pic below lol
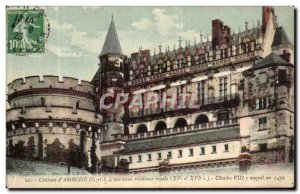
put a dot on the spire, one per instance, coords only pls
(201, 38)
(112, 43)
(246, 28)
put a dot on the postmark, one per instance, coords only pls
(27, 30)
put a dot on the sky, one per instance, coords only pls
(77, 34)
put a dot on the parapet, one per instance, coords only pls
(50, 81)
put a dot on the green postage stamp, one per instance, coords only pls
(26, 30)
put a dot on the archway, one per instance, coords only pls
(141, 129)
(180, 123)
(161, 125)
(201, 119)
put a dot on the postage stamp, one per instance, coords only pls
(26, 30)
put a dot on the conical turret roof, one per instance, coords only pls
(280, 37)
(112, 43)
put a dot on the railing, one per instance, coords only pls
(170, 131)
(210, 63)
(201, 103)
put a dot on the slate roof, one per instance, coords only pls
(272, 58)
(112, 43)
(280, 37)
(181, 140)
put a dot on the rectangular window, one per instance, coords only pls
(201, 92)
(226, 148)
(263, 147)
(282, 76)
(179, 94)
(179, 153)
(214, 55)
(214, 149)
(223, 88)
(191, 152)
(114, 117)
(169, 155)
(179, 91)
(262, 103)
(139, 158)
(262, 123)
(202, 151)
(149, 156)
(158, 156)
(130, 159)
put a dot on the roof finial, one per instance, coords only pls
(201, 37)
(275, 20)
(258, 23)
(246, 28)
(179, 41)
(159, 46)
(112, 17)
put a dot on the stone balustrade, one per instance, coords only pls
(186, 129)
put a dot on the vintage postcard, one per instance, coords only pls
(150, 97)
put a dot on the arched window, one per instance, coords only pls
(160, 126)
(141, 129)
(43, 102)
(202, 119)
(82, 141)
(180, 123)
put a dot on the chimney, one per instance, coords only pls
(217, 26)
(266, 10)
(286, 56)
(219, 32)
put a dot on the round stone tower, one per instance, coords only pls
(53, 120)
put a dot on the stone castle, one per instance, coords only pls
(245, 88)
